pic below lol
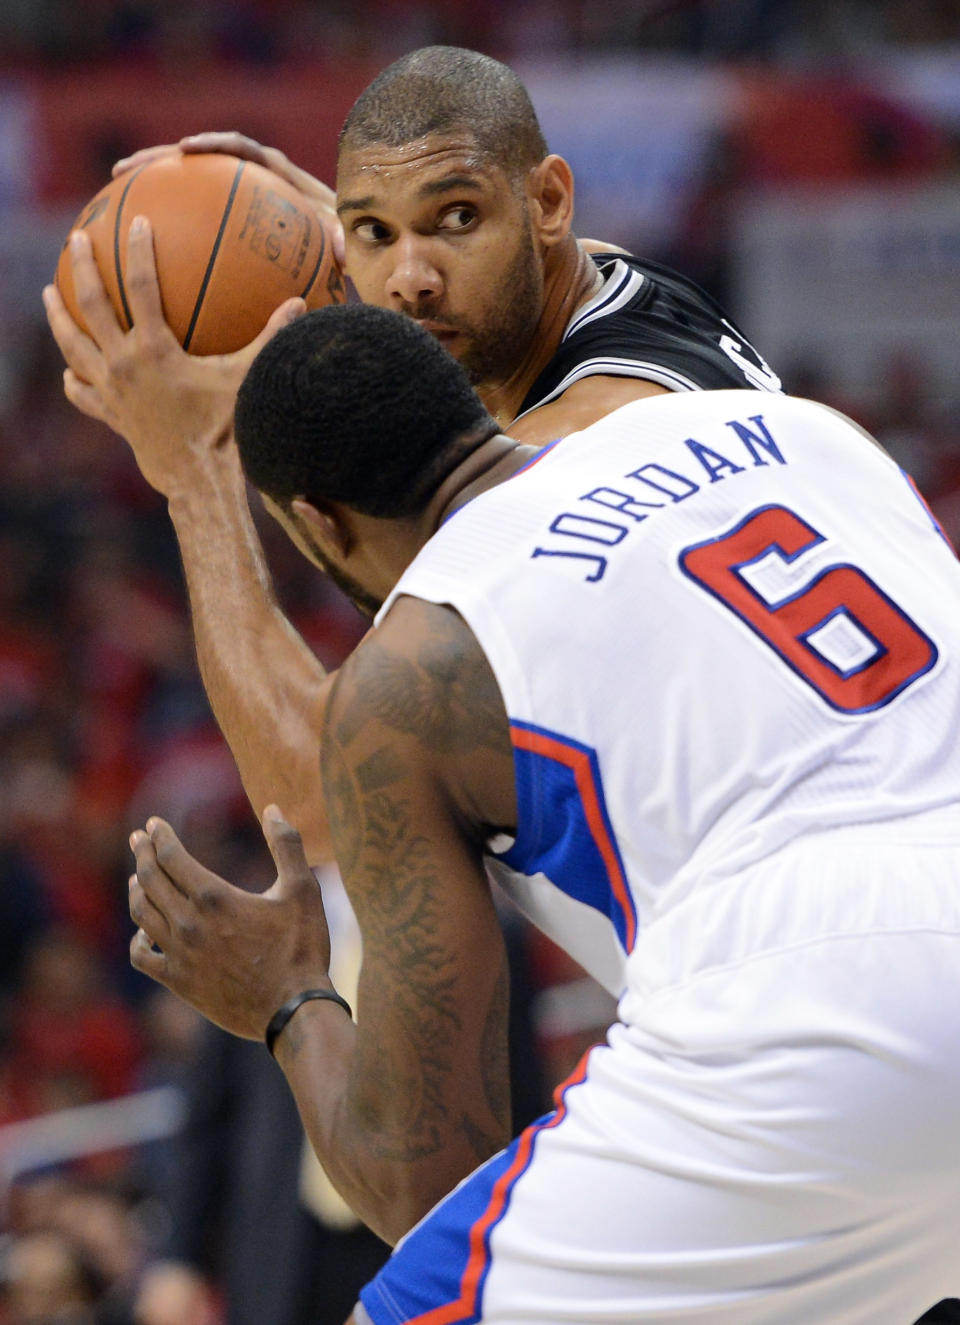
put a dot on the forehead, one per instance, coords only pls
(377, 174)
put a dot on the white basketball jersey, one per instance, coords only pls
(717, 621)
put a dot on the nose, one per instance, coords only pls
(414, 278)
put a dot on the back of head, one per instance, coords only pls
(445, 89)
(357, 405)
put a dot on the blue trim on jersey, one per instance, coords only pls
(911, 484)
(563, 826)
(428, 1266)
(438, 1272)
(535, 459)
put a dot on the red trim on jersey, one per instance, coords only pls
(466, 1304)
(579, 761)
(535, 460)
(926, 506)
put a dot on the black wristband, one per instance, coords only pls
(283, 1014)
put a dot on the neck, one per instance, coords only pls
(492, 462)
(570, 279)
(380, 549)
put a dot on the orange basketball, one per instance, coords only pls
(232, 241)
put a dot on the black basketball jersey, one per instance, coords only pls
(648, 321)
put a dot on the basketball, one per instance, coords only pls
(232, 241)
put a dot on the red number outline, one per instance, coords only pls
(903, 652)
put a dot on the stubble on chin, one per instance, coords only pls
(500, 343)
(365, 603)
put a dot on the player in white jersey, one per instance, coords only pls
(692, 682)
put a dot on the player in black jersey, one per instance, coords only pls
(650, 323)
(455, 213)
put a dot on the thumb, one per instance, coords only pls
(285, 845)
(281, 317)
(85, 397)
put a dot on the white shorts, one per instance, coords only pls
(771, 1136)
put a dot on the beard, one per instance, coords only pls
(363, 601)
(497, 345)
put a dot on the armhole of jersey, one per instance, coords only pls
(610, 367)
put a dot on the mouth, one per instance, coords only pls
(441, 330)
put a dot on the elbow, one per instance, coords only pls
(404, 1209)
(414, 1192)
(391, 1211)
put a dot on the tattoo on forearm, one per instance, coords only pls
(448, 701)
(414, 976)
(418, 975)
(495, 1051)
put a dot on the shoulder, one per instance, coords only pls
(581, 405)
(654, 324)
(421, 651)
(418, 697)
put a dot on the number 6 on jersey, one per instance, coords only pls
(839, 631)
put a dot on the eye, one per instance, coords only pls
(457, 218)
(370, 232)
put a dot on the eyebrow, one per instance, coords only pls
(428, 190)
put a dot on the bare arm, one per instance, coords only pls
(412, 1098)
(175, 410)
(415, 725)
(265, 685)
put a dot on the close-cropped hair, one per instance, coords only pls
(445, 89)
(358, 405)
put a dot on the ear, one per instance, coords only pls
(325, 523)
(550, 196)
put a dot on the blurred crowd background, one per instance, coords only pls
(800, 158)
(273, 31)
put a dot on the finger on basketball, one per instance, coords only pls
(95, 308)
(142, 157)
(143, 291)
(248, 149)
(77, 348)
(339, 244)
(231, 242)
(230, 142)
(288, 312)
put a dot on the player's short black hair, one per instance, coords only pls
(441, 89)
(358, 405)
